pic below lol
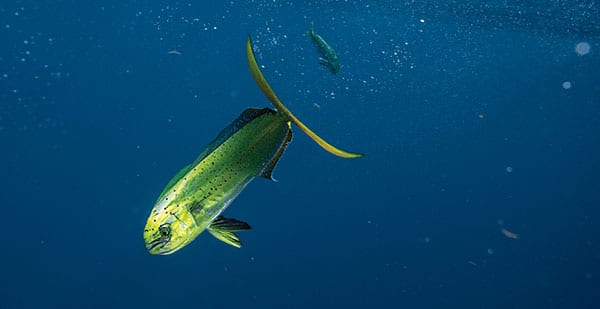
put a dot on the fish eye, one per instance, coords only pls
(164, 230)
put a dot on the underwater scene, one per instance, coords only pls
(300, 154)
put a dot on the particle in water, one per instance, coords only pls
(509, 234)
(582, 48)
(566, 85)
(427, 239)
(509, 169)
(490, 251)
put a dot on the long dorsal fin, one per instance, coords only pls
(268, 92)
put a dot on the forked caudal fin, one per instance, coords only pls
(268, 92)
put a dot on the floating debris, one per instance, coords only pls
(509, 234)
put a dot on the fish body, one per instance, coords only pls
(195, 198)
(197, 195)
(328, 56)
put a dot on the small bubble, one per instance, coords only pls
(582, 48)
(427, 239)
(566, 85)
(509, 169)
(490, 251)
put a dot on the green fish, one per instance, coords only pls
(251, 146)
(329, 57)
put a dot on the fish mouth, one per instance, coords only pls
(155, 246)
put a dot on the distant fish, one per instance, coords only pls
(174, 52)
(329, 57)
(509, 234)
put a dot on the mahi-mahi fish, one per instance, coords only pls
(251, 146)
(328, 56)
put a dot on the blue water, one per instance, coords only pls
(474, 117)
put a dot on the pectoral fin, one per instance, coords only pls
(267, 172)
(323, 61)
(223, 229)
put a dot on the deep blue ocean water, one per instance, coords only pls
(475, 117)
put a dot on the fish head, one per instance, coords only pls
(168, 229)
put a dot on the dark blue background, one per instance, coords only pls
(96, 116)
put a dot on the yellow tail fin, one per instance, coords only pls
(268, 92)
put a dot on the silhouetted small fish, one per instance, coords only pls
(329, 57)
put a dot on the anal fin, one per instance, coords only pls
(223, 229)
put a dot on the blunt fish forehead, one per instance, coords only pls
(154, 222)
(168, 229)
